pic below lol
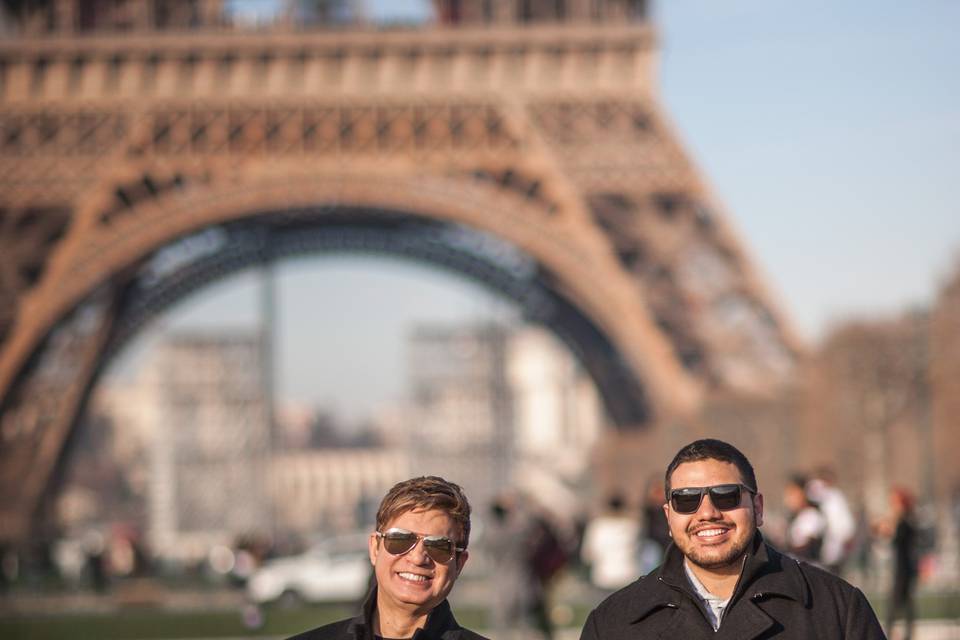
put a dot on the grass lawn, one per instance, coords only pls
(153, 623)
(156, 623)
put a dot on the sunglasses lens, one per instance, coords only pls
(725, 496)
(685, 500)
(438, 548)
(397, 542)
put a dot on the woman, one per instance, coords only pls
(903, 533)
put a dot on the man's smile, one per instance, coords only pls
(711, 533)
(413, 577)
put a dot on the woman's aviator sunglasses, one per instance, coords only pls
(723, 497)
(399, 541)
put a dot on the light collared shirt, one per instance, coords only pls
(714, 604)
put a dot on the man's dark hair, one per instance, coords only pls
(711, 449)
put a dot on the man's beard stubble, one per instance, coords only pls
(730, 557)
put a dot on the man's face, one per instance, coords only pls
(711, 538)
(413, 581)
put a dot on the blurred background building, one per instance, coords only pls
(461, 425)
(496, 408)
(492, 407)
(211, 450)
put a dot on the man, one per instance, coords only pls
(806, 526)
(417, 552)
(610, 546)
(841, 525)
(719, 578)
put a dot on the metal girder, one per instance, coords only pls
(177, 270)
(39, 416)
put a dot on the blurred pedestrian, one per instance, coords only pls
(548, 556)
(418, 550)
(610, 546)
(7, 572)
(656, 531)
(505, 541)
(806, 527)
(901, 528)
(838, 538)
(95, 548)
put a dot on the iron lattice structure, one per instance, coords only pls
(520, 143)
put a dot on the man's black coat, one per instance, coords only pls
(776, 597)
(440, 625)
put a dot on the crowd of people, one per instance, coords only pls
(822, 530)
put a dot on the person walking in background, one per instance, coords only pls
(526, 555)
(506, 542)
(841, 528)
(656, 531)
(807, 525)
(902, 531)
(418, 551)
(720, 579)
(610, 546)
(548, 556)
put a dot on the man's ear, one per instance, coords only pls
(462, 560)
(758, 508)
(373, 547)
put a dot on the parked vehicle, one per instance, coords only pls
(325, 573)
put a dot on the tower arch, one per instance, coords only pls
(545, 133)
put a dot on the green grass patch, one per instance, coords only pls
(932, 606)
(156, 624)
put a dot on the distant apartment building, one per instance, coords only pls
(491, 407)
(558, 413)
(325, 491)
(460, 424)
(210, 442)
(496, 408)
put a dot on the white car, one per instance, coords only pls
(322, 574)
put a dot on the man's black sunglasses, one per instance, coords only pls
(723, 497)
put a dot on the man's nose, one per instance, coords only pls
(707, 509)
(418, 555)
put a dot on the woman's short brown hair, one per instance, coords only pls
(427, 492)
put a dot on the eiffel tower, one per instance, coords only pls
(150, 148)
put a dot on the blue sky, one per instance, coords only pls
(831, 133)
(828, 130)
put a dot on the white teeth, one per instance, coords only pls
(412, 576)
(709, 533)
